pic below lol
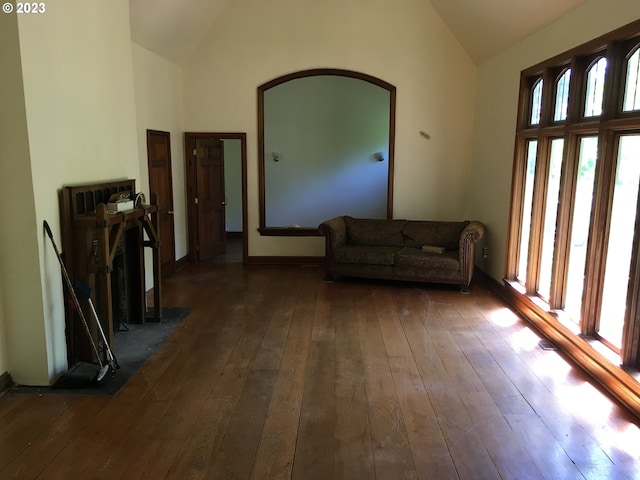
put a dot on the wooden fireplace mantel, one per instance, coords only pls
(92, 240)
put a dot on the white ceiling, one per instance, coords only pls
(173, 28)
(487, 27)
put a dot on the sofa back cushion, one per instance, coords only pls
(374, 233)
(437, 234)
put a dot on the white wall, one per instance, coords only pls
(403, 42)
(497, 105)
(80, 117)
(158, 107)
(21, 312)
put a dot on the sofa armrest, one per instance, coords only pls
(472, 232)
(467, 251)
(336, 232)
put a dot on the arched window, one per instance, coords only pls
(536, 102)
(562, 96)
(595, 88)
(632, 83)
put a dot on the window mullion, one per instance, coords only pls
(575, 92)
(612, 76)
(596, 252)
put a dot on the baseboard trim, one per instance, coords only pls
(6, 382)
(488, 281)
(181, 263)
(285, 260)
(613, 378)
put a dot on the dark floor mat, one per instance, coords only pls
(133, 344)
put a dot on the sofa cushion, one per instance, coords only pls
(373, 232)
(439, 265)
(365, 255)
(441, 234)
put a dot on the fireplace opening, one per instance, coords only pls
(125, 297)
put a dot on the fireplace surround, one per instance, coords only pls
(105, 251)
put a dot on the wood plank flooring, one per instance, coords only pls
(279, 375)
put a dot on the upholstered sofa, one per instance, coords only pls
(424, 251)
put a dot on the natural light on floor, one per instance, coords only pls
(571, 388)
(524, 339)
(504, 317)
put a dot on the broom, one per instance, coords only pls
(103, 369)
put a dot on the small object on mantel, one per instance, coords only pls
(120, 203)
(432, 249)
(119, 206)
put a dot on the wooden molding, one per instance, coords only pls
(182, 262)
(286, 260)
(289, 232)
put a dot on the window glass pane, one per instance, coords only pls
(621, 231)
(532, 149)
(631, 93)
(562, 96)
(595, 88)
(550, 216)
(536, 103)
(582, 204)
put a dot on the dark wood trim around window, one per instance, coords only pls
(608, 127)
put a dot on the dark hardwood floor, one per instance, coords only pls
(278, 375)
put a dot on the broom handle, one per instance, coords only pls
(73, 294)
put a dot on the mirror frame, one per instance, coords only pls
(286, 231)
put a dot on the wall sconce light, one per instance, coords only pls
(275, 156)
(379, 156)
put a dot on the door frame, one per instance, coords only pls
(191, 171)
(172, 268)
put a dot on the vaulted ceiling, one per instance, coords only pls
(172, 29)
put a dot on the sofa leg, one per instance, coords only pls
(465, 290)
(328, 278)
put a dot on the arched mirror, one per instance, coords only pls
(326, 141)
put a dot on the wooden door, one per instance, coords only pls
(210, 198)
(161, 190)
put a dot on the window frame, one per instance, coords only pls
(608, 127)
